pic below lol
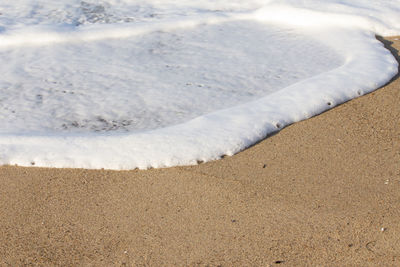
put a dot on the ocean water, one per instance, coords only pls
(152, 80)
(123, 84)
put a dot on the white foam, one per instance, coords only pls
(152, 80)
(172, 83)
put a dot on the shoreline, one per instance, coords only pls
(323, 191)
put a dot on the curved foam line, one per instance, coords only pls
(224, 132)
(45, 35)
(284, 14)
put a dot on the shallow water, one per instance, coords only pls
(152, 80)
(124, 84)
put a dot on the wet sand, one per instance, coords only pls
(322, 192)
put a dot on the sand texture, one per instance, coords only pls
(322, 192)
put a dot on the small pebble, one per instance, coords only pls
(383, 229)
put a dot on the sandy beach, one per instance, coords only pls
(321, 192)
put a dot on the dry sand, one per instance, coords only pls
(322, 192)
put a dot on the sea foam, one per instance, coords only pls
(131, 84)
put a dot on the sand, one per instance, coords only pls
(322, 192)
